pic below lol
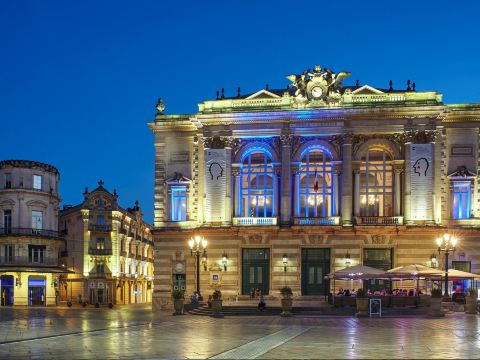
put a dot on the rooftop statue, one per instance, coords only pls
(322, 86)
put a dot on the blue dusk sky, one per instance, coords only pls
(79, 80)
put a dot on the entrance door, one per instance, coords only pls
(36, 291)
(380, 259)
(7, 290)
(315, 265)
(255, 270)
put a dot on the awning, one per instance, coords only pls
(357, 272)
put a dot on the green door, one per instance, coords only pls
(315, 265)
(380, 259)
(255, 270)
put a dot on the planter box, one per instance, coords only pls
(362, 306)
(286, 307)
(178, 306)
(217, 309)
(471, 304)
(436, 307)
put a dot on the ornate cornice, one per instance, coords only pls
(28, 164)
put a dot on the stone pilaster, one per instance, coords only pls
(337, 170)
(347, 181)
(286, 182)
(356, 190)
(397, 188)
(407, 194)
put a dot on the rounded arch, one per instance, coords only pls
(253, 147)
(386, 145)
(313, 145)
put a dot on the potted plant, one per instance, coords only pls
(436, 303)
(362, 303)
(471, 301)
(286, 301)
(217, 304)
(178, 300)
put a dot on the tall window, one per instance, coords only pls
(37, 182)
(36, 253)
(7, 221)
(178, 203)
(256, 185)
(9, 253)
(8, 181)
(100, 220)
(37, 220)
(315, 185)
(461, 200)
(100, 243)
(376, 184)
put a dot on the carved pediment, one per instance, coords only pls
(462, 172)
(263, 94)
(366, 90)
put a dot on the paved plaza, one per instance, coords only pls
(136, 333)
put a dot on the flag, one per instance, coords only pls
(315, 185)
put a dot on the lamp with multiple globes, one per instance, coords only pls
(447, 244)
(198, 247)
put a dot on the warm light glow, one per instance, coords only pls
(439, 242)
(198, 238)
(254, 201)
(453, 241)
(446, 236)
(285, 259)
(204, 243)
(191, 242)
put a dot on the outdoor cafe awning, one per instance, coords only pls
(356, 272)
(453, 275)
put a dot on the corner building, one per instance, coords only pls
(108, 251)
(30, 243)
(293, 184)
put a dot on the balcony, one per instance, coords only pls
(28, 232)
(97, 227)
(30, 188)
(254, 221)
(28, 261)
(379, 220)
(322, 221)
(123, 231)
(99, 252)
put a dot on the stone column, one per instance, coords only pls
(337, 170)
(236, 191)
(228, 197)
(408, 185)
(277, 172)
(397, 189)
(296, 179)
(356, 195)
(286, 180)
(347, 181)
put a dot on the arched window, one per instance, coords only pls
(376, 183)
(256, 185)
(315, 193)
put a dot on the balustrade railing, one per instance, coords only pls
(97, 227)
(379, 220)
(254, 221)
(332, 220)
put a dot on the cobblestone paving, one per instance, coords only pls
(135, 333)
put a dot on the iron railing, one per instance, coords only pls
(99, 252)
(28, 261)
(97, 227)
(28, 232)
(332, 220)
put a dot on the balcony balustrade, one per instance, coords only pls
(379, 220)
(97, 227)
(254, 221)
(333, 220)
(28, 261)
(99, 252)
(28, 232)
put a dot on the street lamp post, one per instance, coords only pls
(196, 250)
(447, 244)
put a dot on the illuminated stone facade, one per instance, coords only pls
(29, 239)
(108, 249)
(319, 174)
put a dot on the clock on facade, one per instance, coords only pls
(317, 92)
